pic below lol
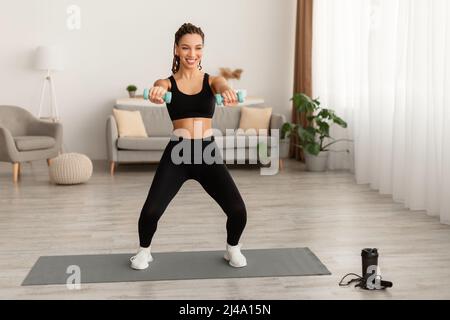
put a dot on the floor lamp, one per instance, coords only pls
(49, 58)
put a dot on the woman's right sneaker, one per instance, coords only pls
(141, 259)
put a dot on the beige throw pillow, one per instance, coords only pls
(130, 123)
(255, 118)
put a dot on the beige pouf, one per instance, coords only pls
(70, 168)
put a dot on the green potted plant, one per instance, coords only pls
(312, 137)
(132, 90)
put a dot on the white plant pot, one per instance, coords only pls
(285, 145)
(316, 163)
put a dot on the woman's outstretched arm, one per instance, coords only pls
(160, 87)
(220, 86)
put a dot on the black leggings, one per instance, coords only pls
(214, 178)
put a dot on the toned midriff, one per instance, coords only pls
(193, 128)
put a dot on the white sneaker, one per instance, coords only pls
(141, 259)
(234, 256)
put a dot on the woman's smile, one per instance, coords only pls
(191, 61)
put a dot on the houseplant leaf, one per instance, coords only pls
(286, 130)
(324, 128)
(303, 103)
(307, 134)
(339, 121)
(313, 148)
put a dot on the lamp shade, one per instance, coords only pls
(49, 58)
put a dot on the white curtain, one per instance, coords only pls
(384, 66)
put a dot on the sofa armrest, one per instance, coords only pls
(45, 128)
(112, 135)
(8, 150)
(277, 121)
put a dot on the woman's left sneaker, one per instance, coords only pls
(234, 256)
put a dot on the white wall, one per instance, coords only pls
(122, 42)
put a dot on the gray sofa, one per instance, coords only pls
(159, 129)
(24, 138)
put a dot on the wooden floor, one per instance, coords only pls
(327, 212)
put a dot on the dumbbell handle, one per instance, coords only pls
(240, 96)
(167, 97)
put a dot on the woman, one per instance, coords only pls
(191, 111)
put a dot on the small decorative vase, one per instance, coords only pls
(132, 94)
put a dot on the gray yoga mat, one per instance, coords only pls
(173, 266)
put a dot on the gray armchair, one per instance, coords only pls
(24, 138)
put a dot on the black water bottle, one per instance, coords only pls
(369, 258)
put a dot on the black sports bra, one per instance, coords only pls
(200, 105)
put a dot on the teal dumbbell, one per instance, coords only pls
(240, 96)
(167, 97)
